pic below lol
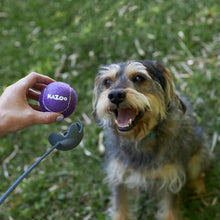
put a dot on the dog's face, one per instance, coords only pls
(132, 97)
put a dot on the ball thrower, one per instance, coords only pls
(69, 140)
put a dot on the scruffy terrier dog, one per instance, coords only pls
(152, 140)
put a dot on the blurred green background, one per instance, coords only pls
(68, 40)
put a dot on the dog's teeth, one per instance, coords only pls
(125, 126)
(116, 122)
(130, 122)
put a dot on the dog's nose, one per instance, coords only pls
(117, 96)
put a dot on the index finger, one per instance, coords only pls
(33, 78)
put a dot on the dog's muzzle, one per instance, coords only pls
(125, 116)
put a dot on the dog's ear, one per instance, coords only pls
(156, 71)
(168, 76)
(160, 74)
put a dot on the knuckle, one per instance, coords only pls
(33, 74)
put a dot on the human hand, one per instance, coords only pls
(16, 112)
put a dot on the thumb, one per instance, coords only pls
(47, 117)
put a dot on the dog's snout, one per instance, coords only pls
(117, 96)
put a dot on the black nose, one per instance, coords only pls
(117, 96)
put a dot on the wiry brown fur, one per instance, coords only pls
(162, 163)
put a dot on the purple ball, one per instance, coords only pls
(58, 97)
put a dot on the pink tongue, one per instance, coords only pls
(124, 116)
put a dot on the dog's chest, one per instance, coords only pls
(142, 165)
(167, 177)
(117, 174)
(137, 155)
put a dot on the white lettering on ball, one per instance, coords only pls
(57, 97)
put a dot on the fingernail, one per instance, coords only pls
(59, 118)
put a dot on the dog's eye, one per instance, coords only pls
(107, 82)
(138, 78)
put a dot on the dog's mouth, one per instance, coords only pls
(126, 118)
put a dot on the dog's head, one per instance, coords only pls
(133, 97)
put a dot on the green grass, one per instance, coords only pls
(34, 35)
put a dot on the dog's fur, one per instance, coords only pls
(152, 140)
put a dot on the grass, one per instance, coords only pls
(69, 40)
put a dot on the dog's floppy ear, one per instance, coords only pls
(156, 70)
(168, 76)
(160, 74)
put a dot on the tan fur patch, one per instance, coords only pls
(121, 206)
(136, 67)
(109, 71)
(194, 166)
(171, 216)
(122, 215)
(158, 106)
(137, 100)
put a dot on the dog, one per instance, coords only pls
(153, 142)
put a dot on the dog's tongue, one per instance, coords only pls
(124, 116)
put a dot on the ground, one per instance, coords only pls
(68, 40)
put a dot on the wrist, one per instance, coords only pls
(4, 121)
